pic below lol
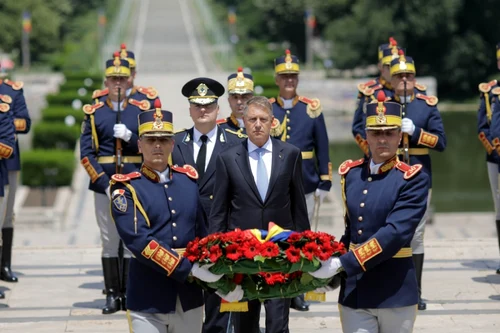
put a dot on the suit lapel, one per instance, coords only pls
(220, 143)
(186, 148)
(244, 165)
(278, 159)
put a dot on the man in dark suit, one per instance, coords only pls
(199, 146)
(259, 181)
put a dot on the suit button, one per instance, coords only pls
(359, 232)
(369, 179)
(173, 211)
(362, 204)
(288, 128)
(174, 238)
(365, 191)
(166, 186)
(211, 197)
(174, 224)
(360, 218)
(169, 198)
(288, 136)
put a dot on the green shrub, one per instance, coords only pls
(265, 79)
(73, 86)
(66, 98)
(47, 167)
(47, 135)
(59, 113)
(80, 76)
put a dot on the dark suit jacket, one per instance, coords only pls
(237, 203)
(184, 154)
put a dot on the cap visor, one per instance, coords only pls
(381, 128)
(157, 134)
(202, 101)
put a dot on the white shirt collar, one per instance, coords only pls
(115, 105)
(164, 175)
(241, 123)
(211, 135)
(128, 91)
(374, 167)
(288, 103)
(268, 146)
(402, 98)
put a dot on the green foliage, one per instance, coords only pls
(74, 86)
(57, 135)
(47, 167)
(66, 98)
(80, 76)
(59, 113)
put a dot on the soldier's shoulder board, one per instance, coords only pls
(16, 85)
(496, 91)
(313, 106)
(368, 91)
(363, 86)
(6, 99)
(348, 165)
(272, 100)
(90, 109)
(430, 100)
(221, 121)
(150, 92)
(144, 105)
(486, 86)
(186, 169)
(409, 171)
(99, 93)
(125, 178)
(420, 87)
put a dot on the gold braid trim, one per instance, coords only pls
(95, 139)
(488, 106)
(344, 198)
(137, 204)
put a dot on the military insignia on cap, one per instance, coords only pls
(381, 119)
(202, 89)
(288, 60)
(120, 203)
(158, 124)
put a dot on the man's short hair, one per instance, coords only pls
(261, 102)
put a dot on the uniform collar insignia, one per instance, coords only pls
(150, 173)
(388, 165)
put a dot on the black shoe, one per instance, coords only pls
(123, 281)
(111, 272)
(298, 303)
(422, 305)
(418, 261)
(5, 271)
(2, 295)
(498, 270)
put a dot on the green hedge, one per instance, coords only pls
(47, 167)
(66, 98)
(80, 76)
(264, 79)
(73, 86)
(48, 135)
(59, 113)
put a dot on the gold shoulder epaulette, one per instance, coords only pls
(16, 85)
(150, 92)
(272, 100)
(4, 107)
(371, 90)
(237, 133)
(486, 86)
(496, 91)
(430, 100)
(347, 165)
(6, 98)
(313, 106)
(125, 178)
(99, 93)
(186, 169)
(144, 105)
(409, 171)
(363, 86)
(420, 87)
(90, 109)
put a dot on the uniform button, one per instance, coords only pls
(173, 211)
(365, 191)
(174, 224)
(169, 198)
(359, 232)
(211, 197)
(362, 204)
(175, 237)
(166, 186)
(288, 136)
(287, 111)
(360, 218)
(288, 128)
(369, 179)
(287, 120)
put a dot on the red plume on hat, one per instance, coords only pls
(381, 96)
(157, 104)
(392, 42)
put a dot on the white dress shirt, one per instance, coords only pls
(212, 138)
(115, 105)
(267, 157)
(164, 176)
(241, 123)
(287, 103)
(374, 167)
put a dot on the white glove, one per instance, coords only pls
(321, 194)
(323, 289)
(407, 126)
(122, 132)
(232, 296)
(328, 268)
(107, 192)
(202, 273)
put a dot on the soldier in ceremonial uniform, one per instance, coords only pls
(103, 130)
(199, 146)
(384, 201)
(7, 149)
(489, 92)
(240, 90)
(12, 97)
(157, 212)
(298, 120)
(423, 130)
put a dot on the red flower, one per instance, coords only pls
(192, 250)
(215, 253)
(310, 250)
(293, 254)
(269, 250)
(325, 238)
(311, 235)
(252, 249)
(233, 252)
(273, 278)
(204, 253)
(295, 275)
(238, 278)
(325, 252)
(294, 237)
